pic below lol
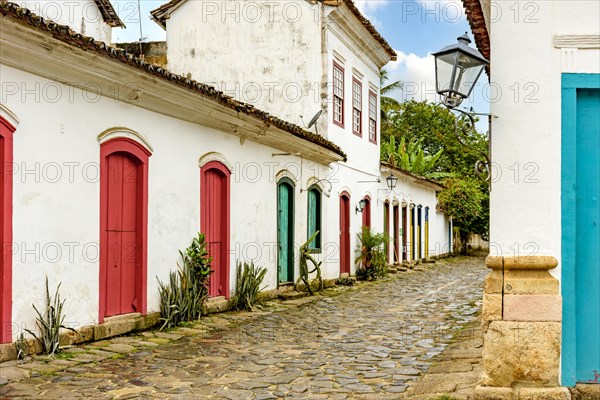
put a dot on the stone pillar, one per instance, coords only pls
(522, 315)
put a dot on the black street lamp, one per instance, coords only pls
(391, 181)
(457, 69)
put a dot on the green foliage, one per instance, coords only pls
(247, 285)
(467, 202)
(182, 298)
(345, 281)
(21, 347)
(372, 261)
(50, 322)
(432, 128)
(305, 257)
(388, 104)
(411, 157)
(433, 125)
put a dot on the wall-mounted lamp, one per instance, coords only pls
(457, 69)
(391, 181)
(361, 206)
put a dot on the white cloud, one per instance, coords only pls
(417, 75)
(369, 7)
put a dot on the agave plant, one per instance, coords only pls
(247, 285)
(50, 322)
(183, 297)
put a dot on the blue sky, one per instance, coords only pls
(414, 28)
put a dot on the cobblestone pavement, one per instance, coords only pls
(371, 342)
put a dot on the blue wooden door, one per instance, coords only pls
(587, 246)
(285, 231)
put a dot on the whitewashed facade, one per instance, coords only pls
(61, 111)
(545, 68)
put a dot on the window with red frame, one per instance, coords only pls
(338, 95)
(372, 117)
(356, 107)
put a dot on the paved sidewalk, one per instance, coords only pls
(456, 371)
(373, 342)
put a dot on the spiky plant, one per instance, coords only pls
(183, 297)
(50, 322)
(247, 285)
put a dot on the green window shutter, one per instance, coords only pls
(314, 217)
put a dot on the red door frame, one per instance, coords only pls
(6, 210)
(206, 215)
(344, 233)
(366, 212)
(396, 232)
(142, 155)
(386, 229)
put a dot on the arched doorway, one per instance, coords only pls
(214, 221)
(344, 233)
(123, 226)
(396, 233)
(285, 230)
(6, 160)
(386, 229)
(366, 212)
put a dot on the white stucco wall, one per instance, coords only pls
(525, 200)
(362, 153)
(264, 53)
(83, 16)
(56, 195)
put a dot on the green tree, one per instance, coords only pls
(432, 127)
(433, 124)
(467, 204)
(411, 157)
(388, 103)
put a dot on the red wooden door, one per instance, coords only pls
(123, 255)
(6, 131)
(214, 204)
(123, 227)
(404, 233)
(396, 233)
(366, 213)
(345, 233)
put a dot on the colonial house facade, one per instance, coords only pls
(111, 165)
(541, 305)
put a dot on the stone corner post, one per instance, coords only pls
(522, 313)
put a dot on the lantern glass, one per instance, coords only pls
(392, 181)
(457, 68)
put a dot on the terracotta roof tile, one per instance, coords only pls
(109, 14)
(477, 23)
(67, 35)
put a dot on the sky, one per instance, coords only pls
(414, 28)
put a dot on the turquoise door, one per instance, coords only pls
(581, 229)
(587, 266)
(285, 231)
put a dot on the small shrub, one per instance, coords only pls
(22, 347)
(247, 285)
(50, 322)
(345, 281)
(371, 262)
(182, 298)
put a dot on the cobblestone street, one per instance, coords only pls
(374, 342)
